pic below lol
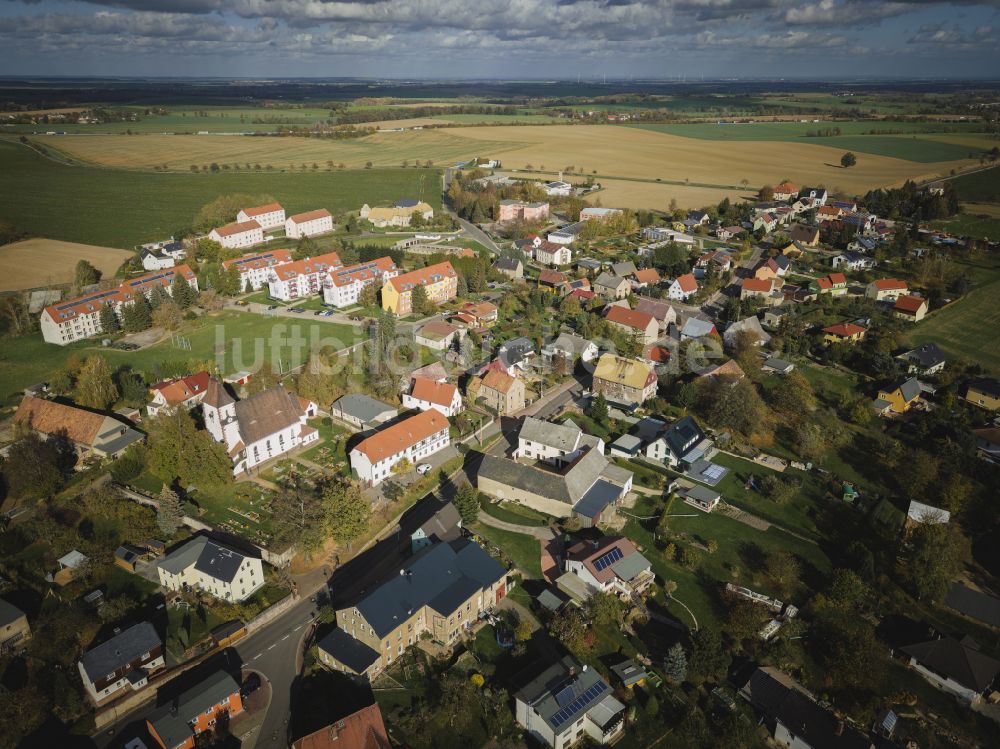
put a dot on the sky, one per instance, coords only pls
(502, 39)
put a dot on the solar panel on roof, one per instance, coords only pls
(576, 705)
(565, 696)
(606, 560)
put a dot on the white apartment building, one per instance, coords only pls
(309, 224)
(80, 318)
(301, 278)
(254, 268)
(213, 568)
(237, 235)
(412, 439)
(269, 216)
(343, 286)
(550, 253)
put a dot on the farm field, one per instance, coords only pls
(969, 327)
(983, 187)
(655, 195)
(248, 341)
(45, 198)
(41, 262)
(976, 221)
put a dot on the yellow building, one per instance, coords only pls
(985, 393)
(440, 282)
(627, 382)
(899, 400)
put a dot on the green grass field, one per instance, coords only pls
(246, 339)
(117, 208)
(971, 224)
(909, 148)
(969, 327)
(980, 187)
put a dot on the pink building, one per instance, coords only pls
(513, 210)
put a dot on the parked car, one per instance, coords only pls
(241, 302)
(296, 310)
(424, 468)
(272, 306)
(326, 312)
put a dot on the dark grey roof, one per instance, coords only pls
(629, 672)
(608, 280)
(949, 657)
(700, 494)
(171, 721)
(506, 263)
(563, 692)
(975, 604)
(623, 269)
(682, 435)
(987, 385)
(442, 576)
(515, 350)
(362, 407)
(353, 653)
(793, 708)
(910, 389)
(529, 479)
(589, 262)
(444, 524)
(406, 203)
(598, 497)
(9, 613)
(207, 556)
(777, 364)
(120, 650)
(926, 355)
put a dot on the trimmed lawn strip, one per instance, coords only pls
(524, 551)
(511, 512)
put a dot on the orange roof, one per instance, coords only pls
(361, 730)
(758, 284)
(910, 303)
(260, 210)
(441, 393)
(49, 417)
(828, 210)
(630, 318)
(428, 275)
(183, 388)
(498, 380)
(437, 327)
(237, 227)
(551, 277)
(838, 278)
(647, 275)
(480, 309)
(729, 369)
(845, 330)
(687, 283)
(362, 271)
(403, 434)
(824, 283)
(301, 218)
(262, 260)
(319, 264)
(786, 187)
(890, 284)
(126, 292)
(657, 354)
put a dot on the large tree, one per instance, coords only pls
(181, 292)
(675, 663)
(169, 512)
(298, 515)
(179, 450)
(937, 555)
(95, 385)
(35, 468)
(467, 502)
(346, 510)
(224, 208)
(85, 274)
(419, 302)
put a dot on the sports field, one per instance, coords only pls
(42, 262)
(970, 327)
(120, 208)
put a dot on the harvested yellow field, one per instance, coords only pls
(629, 194)
(180, 152)
(34, 263)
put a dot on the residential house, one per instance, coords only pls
(427, 394)
(259, 428)
(612, 564)
(484, 313)
(14, 628)
(177, 724)
(557, 444)
(443, 526)
(558, 188)
(550, 253)
(571, 347)
(785, 191)
(748, 325)
(361, 411)
(509, 267)
(269, 216)
(611, 286)
(363, 729)
(974, 604)
(93, 435)
(845, 332)
(623, 269)
(910, 308)
(664, 314)
(807, 235)
(925, 359)
(698, 496)
(502, 392)
(726, 233)
(773, 317)
(80, 317)
(552, 281)
(885, 290)
(412, 439)
(959, 668)
(309, 224)
(591, 213)
(633, 322)
(681, 445)
(853, 261)
(566, 702)
(255, 267)
(301, 278)
(440, 282)
(863, 245)
(835, 284)
(721, 260)
(985, 393)
(756, 288)
(767, 222)
(793, 716)
(342, 286)
(401, 214)
(625, 382)
(126, 661)
(697, 327)
(515, 354)
(236, 235)
(207, 565)
(645, 277)
(519, 210)
(438, 335)
(156, 260)
(441, 591)
(900, 399)
(817, 195)
(682, 287)
(184, 391)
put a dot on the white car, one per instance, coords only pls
(424, 468)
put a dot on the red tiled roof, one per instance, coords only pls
(687, 282)
(237, 227)
(301, 218)
(361, 730)
(499, 381)
(49, 417)
(786, 187)
(890, 284)
(126, 292)
(630, 318)
(318, 264)
(824, 283)
(441, 393)
(260, 210)
(252, 261)
(437, 327)
(553, 277)
(582, 294)
(909, 303)
(401, 435)
(588, 553)
(657, 354)
(837, 278)
(647, 275)
(407, 281)
(183, 388)
(844, 329)
(758, 284)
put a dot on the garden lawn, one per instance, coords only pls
(524, 551)
(330, 451)
(511, 512)
(971, 224)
